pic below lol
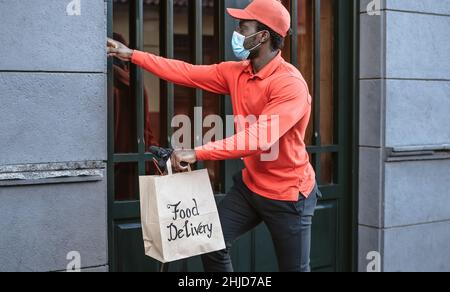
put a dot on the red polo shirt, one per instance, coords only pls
(277, 96)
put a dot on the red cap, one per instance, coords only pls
(271, 13)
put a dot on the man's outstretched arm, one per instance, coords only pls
(208, 78)
(289, 102)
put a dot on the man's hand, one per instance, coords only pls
(182, 158)
(119, 50)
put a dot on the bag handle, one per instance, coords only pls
(169, 167)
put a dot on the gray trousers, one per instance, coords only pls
(289, 224)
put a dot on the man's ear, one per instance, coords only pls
(265, 37)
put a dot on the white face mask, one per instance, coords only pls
(239, 50)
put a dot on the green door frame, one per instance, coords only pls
(346, 85)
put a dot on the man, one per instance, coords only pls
(265, 86)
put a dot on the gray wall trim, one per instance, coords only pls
(51, 173)
(410, 12)
(47, 71)
(444, 147)
(418, 153)
(404, 79)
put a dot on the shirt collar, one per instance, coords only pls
(267, 70)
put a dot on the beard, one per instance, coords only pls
(254, 54)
